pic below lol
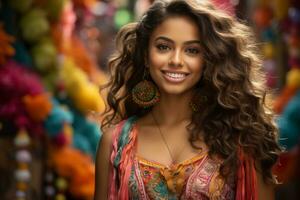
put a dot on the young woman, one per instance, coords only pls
(186, 115)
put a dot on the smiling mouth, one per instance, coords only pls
(175, 76)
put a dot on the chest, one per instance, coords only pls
(174, 147)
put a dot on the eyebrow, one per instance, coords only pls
(169, 40)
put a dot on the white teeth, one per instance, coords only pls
(175, 75)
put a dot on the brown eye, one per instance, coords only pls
(162, 47)
(192, 51)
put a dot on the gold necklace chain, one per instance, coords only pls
(164, 140)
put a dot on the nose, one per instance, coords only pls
(176, 59)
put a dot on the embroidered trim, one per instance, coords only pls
(202, 175)
(141, 186)
(159, 165)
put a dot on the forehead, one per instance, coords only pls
(177, 28)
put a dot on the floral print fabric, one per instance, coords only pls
(196, 178)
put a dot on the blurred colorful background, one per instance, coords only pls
(53, 60)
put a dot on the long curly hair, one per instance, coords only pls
(235, 114)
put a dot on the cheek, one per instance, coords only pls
(157, 60)
(196, 65)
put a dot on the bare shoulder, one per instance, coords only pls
(107, 135)
(105, 143)
(103, 163)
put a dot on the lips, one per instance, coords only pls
(175, 77)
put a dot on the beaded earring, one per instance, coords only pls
(145, 93)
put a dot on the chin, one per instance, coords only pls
(175, 90)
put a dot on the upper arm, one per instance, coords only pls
(265, 190)
(102, 165)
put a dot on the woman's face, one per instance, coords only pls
(175, 55)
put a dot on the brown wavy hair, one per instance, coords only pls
(235, 113)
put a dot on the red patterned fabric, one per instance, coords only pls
(247, 182)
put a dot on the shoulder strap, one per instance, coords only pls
(120, 159)
(123, 139)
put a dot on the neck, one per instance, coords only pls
(173, 109)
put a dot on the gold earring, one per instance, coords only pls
(145, 93)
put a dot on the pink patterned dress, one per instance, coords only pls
(133, 177)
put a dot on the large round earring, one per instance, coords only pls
(145, 93)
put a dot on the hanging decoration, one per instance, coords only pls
(266, 29)
(282, 16)
(6, 50)
(50, 87)
(23, 159)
